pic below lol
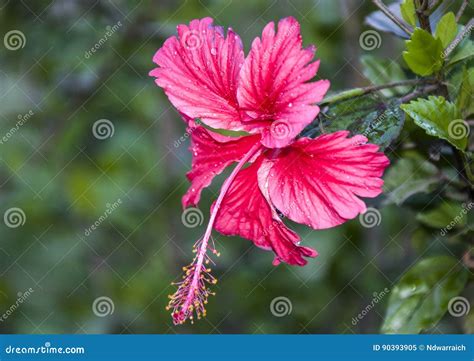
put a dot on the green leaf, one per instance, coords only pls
(446, 29)
(424, 54)
(383, 71)
(407, 9)
(464, 51)
(379, 121)
(465, 100)
(421, 297)
(443, 215)
(412, 174)
(438, 118)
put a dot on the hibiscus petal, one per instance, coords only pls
(318, 181)
(246, 213)
(273, 84)
(198, 71)
(210, 158)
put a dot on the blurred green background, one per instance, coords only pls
(62, 179)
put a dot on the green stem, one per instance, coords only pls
(402, 25)
(422, 12)
(467, 168)
(347, 94)
(418, 92)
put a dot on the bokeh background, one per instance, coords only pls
(61, 179)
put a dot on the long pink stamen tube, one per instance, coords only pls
(193, 291)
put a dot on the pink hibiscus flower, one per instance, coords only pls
(269, 96)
